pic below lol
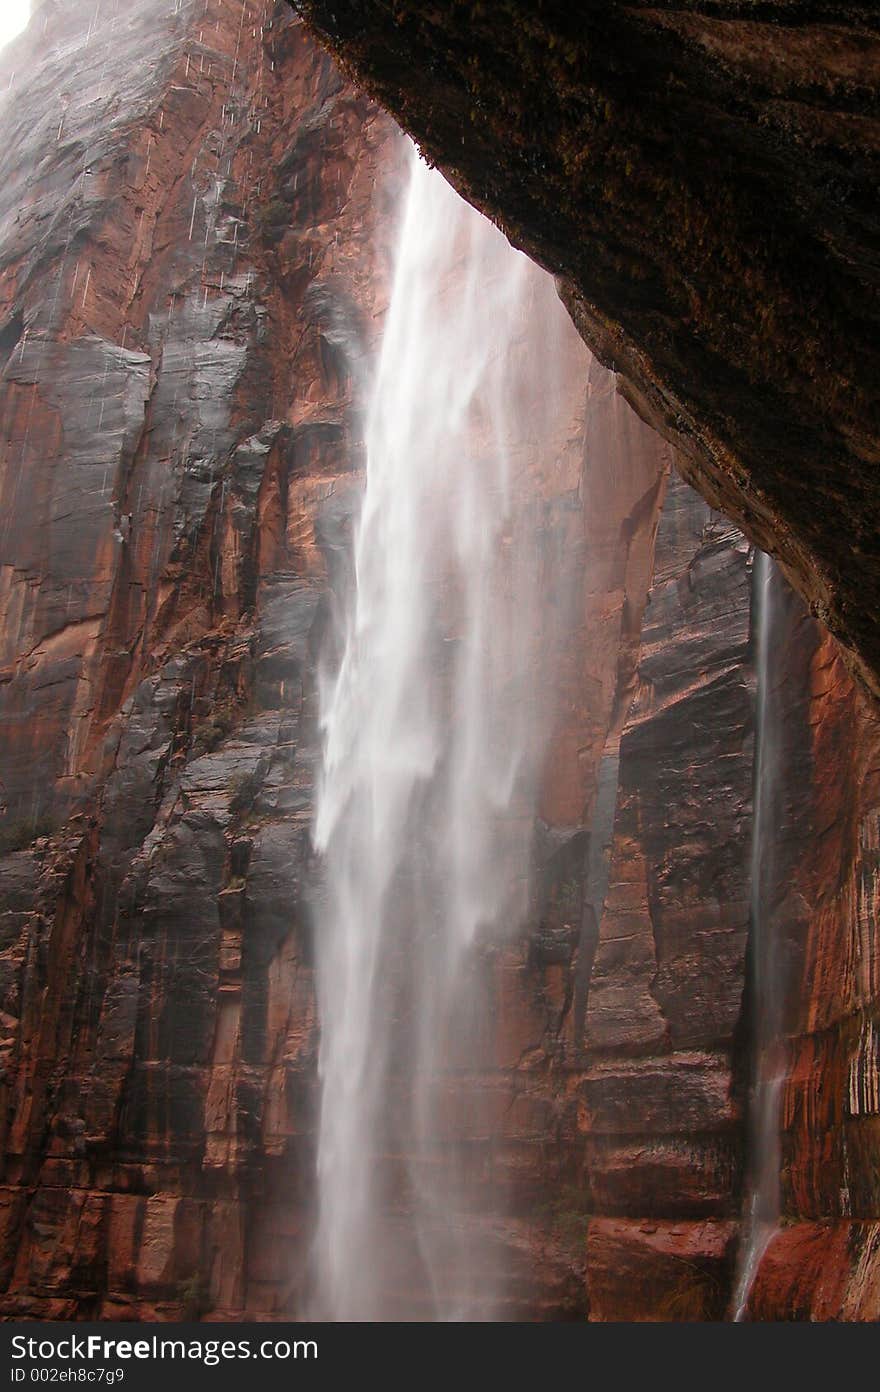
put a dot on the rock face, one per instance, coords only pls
(197, 220)
(190, 307)
(643, 1075)
(823, 914)
(703, 177)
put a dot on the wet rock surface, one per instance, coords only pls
(182, 405)
(822, 912)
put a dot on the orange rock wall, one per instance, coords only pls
(197, 220)
(824, 1263)
(197, 217)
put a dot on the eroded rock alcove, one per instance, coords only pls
(703, 178)
(197, 219)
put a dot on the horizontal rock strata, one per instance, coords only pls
(198, 216)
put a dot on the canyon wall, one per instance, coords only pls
(197, 224)
(822, 912)
(192, 304)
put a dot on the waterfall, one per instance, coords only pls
(432, 729)
(762, 1213)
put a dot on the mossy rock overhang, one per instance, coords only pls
(702, 177)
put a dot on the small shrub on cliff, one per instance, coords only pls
(273, 221)
(696, 1296)
(214, 731)
(567, 1217)
(569, 897)
(244, 788)
(24, 831)
(570, 1228)
(195, 1297)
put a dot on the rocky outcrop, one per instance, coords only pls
(643, 1067)
(703, 177)
(822, 913)
(198, 218)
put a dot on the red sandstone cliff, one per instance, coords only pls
(196, 222)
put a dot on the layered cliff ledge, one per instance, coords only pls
(198, 216)
(703, 177)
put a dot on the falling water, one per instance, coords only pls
(762, 1215)
(431, 732)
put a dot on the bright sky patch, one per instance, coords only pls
(14, 15)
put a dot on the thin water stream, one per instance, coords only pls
(764, 1149)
